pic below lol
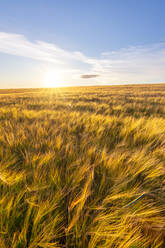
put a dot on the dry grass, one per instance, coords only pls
(83, 167)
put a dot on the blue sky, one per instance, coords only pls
(51, 43)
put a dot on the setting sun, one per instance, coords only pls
(53, 79)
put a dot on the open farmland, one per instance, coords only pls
(83, 167)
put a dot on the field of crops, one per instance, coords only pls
(83, 167)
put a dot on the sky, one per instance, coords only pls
(52, 43)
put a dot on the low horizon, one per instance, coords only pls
(76, 86)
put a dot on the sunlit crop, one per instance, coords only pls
(83, 167)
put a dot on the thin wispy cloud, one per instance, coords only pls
(128, 65)
(18, 45)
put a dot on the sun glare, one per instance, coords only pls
(53, 80)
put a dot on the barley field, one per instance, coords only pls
(83, 167)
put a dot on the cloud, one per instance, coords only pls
(18, 45)
(127, 65)
(89, 76)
